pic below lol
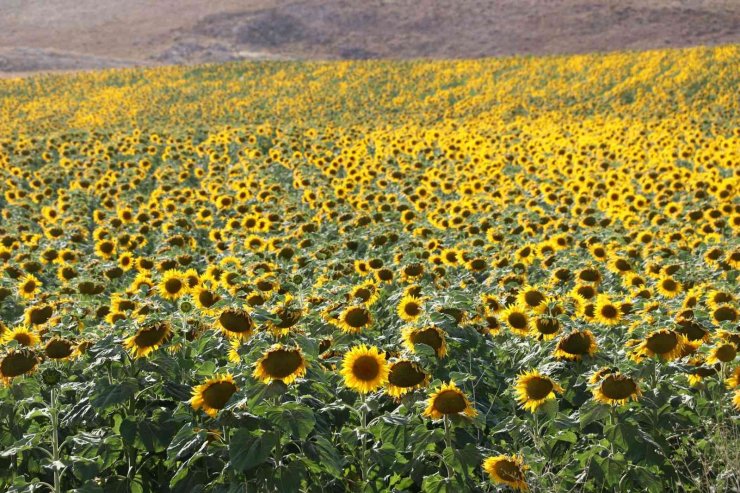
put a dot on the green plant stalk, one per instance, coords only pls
(363, 440)
(55, 441)
(448, 444)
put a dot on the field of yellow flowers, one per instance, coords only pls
(459, 276)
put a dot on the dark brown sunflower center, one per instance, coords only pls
(126, 305)
(669, 284)
(218, 394)
(662, 342)
(173, 286)
(478, 264)
(365, 368)
(618, 387)
(725, 314)
(265, 285)
(726, 353)
(106, 247)
(281, 363)
(412, 309)
(363, 293)
(207, 298)
(16, 364)
(450, 402)
(538, 388)
(151, 336)
(575, 343)
(430, 337)
(357, 317)
(29, 287)
(288, 318)
(58, 349)
(517, 320)
(622, 265)
(547, 325)
(508, 471)
(534, 298)
(236, 321)
(587, 292)
(38, 316)
(22, 338)
(406, 374)
(413, 270)
(609, 311)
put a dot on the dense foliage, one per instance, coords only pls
(373, 276)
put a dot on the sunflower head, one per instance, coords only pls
(666, 344)
(432, 336)
(364, 369)
(173, 285)
(148, 339)
(22, 335)
(58, 348)
(280, 363)
(448, 400)
(410, 308)
(213, 394)
(405, 376)
(354, 319)
(616, 388)
(516, 318)
(533, 389)
(576, 345)
(235, 323)
(508, 470)
(16, 363)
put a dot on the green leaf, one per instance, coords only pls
(248, 450)
(294, 418)
(326, 455)
(108, 395)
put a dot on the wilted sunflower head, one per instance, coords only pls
(664, 343)
(432, 336)
(148, 339)
(576, 345)
(508, 470)
(58, 348)
(16, 363)
(722, 353)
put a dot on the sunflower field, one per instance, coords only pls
(438, 276)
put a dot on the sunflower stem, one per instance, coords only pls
(363, 431)
(448, 444)
(55, 441)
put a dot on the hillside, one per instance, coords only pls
(49, 35)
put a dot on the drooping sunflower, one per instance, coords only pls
(410, 308)
(606, 312)
(29, 287)
(213, 394)
(280, 363)
(616, 389)
(533, 389)
(173, 285)
(354, 319)
(235, 323)
(23, 335)
(508, 470)
(405, 376)
(289, 313)
(364, 369)
(724, 313)
(16, 363)
(576, 345)
(148, 339)
(517, 320)
(545, 328)
(449, 400)
(58, 348)
(431, 336)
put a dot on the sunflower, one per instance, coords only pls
(204, 298)
(16, 363)
(508, 470)
(664, 343)
(29, 287)
(213, 394)
(432, 336)
(606, 312)
(23, 335)
(724, 313)
(410, 308)
(576, 345)
(405, 376)
(616, 389)
(148, 339)
(173, 285)
(532, 298)
(235, 323)
(289, 314)
(58, 348)
(105, 248)
(723, 353)
(669, 287)
(545, 328)
(366, 293)
(448, 400)
(354, 318)
(364, 369)
(280, 363)
(734, 379)
(517, 319)
(533, 389)
(736, 399)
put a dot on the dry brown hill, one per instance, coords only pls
(44, 35)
